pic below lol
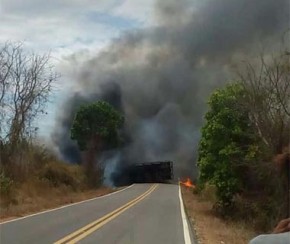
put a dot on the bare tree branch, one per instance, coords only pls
(25, 84)
(267, 82)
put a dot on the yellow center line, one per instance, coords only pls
(93, 226)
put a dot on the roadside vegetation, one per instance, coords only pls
(243, 155)
(32, 178)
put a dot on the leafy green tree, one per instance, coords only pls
(95, 128)
(226, 142)
(96, 125)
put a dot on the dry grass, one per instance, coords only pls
(30, 198)
(209, 228)
(32, 179)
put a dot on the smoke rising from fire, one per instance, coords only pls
(160, 77)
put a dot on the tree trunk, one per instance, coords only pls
(89, 161)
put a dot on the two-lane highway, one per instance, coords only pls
(141, 213)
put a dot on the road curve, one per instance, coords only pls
(143, 213)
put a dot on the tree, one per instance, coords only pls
(95, 127)
(246, 126)
(225, 142)
(25, 85)
(96, 124)
(26, 82)
(266, 81)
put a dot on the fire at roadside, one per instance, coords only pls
(188, 184)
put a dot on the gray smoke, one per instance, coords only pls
(160, 77)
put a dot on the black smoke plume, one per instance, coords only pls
(161, 77)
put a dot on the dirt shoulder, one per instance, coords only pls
(209, 228)
(34, 202)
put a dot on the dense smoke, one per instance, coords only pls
(160, 77)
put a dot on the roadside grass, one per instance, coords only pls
(35, 196)
(209, 228)
(41, 185)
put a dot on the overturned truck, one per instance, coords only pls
(150, 172)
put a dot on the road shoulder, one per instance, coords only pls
(188, 230)
(208, 227)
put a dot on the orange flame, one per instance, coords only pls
(188, 183)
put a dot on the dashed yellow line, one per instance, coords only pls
(90, 228)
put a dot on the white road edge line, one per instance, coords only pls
(65, 206)
(187, 239)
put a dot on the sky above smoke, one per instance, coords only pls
(65, 26)
(161, 63)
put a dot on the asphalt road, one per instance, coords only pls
(141, 214)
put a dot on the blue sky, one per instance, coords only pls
(67, 27)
